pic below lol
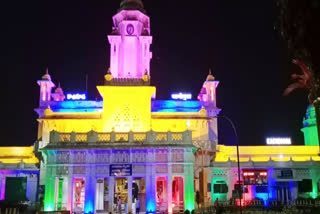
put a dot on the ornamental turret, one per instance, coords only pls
(58, 94)
(130, 41)
(207, 96)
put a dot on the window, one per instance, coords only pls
(220, 188)
(305, 185)
(16, 188)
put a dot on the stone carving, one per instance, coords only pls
(177, 155)
(80, 170)
(63, 157)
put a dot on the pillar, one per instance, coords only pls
(99, 194)
(150, 189)
(90, 191)
(169, 190)
(69, 191)
(188, 188)
(111, 194)
(49, 189)
(129, 180)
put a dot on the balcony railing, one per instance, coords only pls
(93, 137)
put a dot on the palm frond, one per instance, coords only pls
(303, 80)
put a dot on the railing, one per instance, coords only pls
(93, 137)
(257, 207)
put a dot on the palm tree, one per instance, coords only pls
(298, 25)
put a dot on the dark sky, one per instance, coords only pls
(234, 38)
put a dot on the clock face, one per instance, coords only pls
(130, 29)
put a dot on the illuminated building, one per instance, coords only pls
(19, 174)
(128, 145)
(132, 146)
(281, 173)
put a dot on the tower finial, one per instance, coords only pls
(46, 76)
(132, 5)
(210, 77)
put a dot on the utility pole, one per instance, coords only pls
(240, 190)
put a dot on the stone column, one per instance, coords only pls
(188, 188)
(111, 193)
(129, 180)
(169, 189)
(150, 188)
(49, 202)
(90, 190)
(69, 191)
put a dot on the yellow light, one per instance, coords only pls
(16, 154)
(265, 153)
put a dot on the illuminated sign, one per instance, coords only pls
(279, 141)
(181, 96)
(120, 170)
(255, 177)
(76, 96)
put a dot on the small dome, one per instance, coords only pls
(108, 77)
(145, 77)
(58, 90)
(47, 111)
(46, 76)
(210, 77)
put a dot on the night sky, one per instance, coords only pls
(236, 39)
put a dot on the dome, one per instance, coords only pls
(46, 76)
(132, 5)
(58, 90)
(210, 77)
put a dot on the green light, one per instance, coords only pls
(309, 128)
(49, 194)
(189, 191)
(60, 193)
(220, 196)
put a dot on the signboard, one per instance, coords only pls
(278, 141)
(76, 96)
(255, 177)
(181, 96)
(120, 170)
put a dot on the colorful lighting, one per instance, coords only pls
(49, 194)
(76, 96)
(181, 96)
(90, 193)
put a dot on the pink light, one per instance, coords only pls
(3, 188)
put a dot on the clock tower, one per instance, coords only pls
(130, 41)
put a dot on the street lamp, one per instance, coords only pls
(238, 159)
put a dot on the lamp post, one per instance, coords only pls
(238, 158)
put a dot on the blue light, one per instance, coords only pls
(175, 106)
(264, 197)
(89, 195)
(80, 110)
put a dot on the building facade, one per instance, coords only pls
(130, 148)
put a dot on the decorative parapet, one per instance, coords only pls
(128, 138)
(127, 82)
